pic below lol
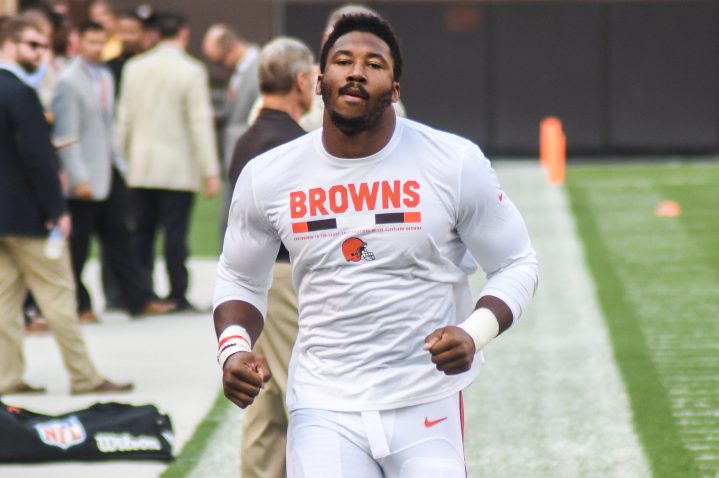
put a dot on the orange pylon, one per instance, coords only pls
(553, 149)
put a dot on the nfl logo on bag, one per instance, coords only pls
(62, 433)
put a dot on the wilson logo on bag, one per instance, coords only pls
(121, 442)
(62, 433)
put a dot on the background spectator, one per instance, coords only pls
(226, 48)
(130, 30)
(101, 11)
(165, 131)
(31, 203)
(83, 108)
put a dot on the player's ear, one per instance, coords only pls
(395, 91)
(318, 85)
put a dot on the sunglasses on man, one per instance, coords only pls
(35, 45)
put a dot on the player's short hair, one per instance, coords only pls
(370, 24)
(89, 26)
(12, 28)
(349, 9)
(280, 62)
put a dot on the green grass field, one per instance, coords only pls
(204, 233)
(658, 284)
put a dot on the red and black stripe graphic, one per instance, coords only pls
(361, 221)
(312, 226)
(397, 217)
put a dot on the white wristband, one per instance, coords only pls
(482, 326)
(232, 340)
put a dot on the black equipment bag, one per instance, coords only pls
(104, 431)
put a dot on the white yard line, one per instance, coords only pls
(550, 401)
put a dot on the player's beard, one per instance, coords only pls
(357, 124)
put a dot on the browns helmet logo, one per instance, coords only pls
(355, 249)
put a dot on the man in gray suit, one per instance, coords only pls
(226, 48)
(83, 109)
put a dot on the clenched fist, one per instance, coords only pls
(244, 374)
(451, 348)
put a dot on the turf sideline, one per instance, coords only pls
(550, 401)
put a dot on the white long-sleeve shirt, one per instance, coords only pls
(377, 247)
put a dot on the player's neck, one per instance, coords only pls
(359, 145)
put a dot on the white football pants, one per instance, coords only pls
(422, 441)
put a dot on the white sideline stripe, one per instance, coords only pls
(550, 401)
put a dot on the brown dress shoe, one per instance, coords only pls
(23, 388)
(106, 387)
(88, 317)
(37, 325)
(156, 307)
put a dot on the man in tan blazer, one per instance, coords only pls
(166, 134)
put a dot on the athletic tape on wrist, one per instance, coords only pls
(232, 340)
(482, 326)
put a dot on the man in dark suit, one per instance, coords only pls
(31, 204)
(286, 76)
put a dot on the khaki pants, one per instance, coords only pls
(264, 429)
(8, 7)
(23, 266)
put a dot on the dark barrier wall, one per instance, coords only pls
(663, 76)
(547, 61)
(631, 76)
(624, 77)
